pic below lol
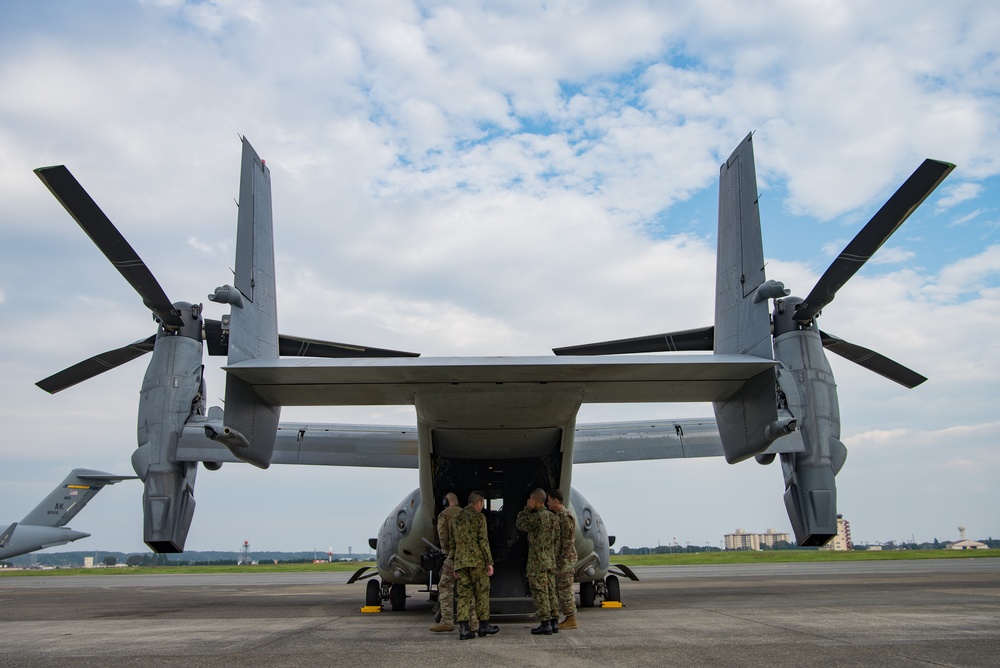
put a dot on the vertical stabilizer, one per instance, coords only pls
(251, 423)
(742, 320)
(69, 498)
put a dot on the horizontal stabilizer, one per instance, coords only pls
(104, 478)
(602, 379)
(23, 538)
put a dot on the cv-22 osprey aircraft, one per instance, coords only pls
(503, 425)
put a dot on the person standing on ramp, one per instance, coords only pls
(470, 548)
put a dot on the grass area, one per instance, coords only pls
(698, 558)
(789, 556)
(325, 567)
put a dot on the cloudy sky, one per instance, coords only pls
(501, 178)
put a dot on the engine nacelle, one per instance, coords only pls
(172, 391)
(593, 546)
(810, 392)
(401, 542)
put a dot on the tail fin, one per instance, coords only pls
(250, 424)
(7, 533)
(748, 422)
(69, 498)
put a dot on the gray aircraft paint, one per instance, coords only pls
(502, 425)
(45, 526)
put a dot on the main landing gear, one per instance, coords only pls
(376, 593)
(608, 589)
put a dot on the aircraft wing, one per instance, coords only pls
(659, 439)
(393, 446)
(397, 381)
(381, 446)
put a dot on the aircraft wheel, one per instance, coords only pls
(614, 589)
(373, 593)
(587, 594)
(397, 597)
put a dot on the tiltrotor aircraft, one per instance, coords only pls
(45, 526)
(500, 425)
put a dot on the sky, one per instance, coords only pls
(502, 178)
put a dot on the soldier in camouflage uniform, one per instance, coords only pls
(470, 548)
(446, 584)
(565, 559)
(542, 528)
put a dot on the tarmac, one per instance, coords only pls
(880, 613)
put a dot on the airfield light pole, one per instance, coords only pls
(245, 553)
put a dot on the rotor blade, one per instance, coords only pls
(96, 365)
(872, 361)
(687, 340)
(295, 346)
(106, 236)
(893, 213)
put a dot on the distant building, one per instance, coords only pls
(842, 541)
(964, 544)
(741, 540)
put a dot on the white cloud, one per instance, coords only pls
(893, 255)
(957, 194)
(962, 220)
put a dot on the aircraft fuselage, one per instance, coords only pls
(504, 442)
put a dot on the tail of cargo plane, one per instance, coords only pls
(45, 525)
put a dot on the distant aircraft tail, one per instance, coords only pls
(250, 423)
(7, 533)
(69, 498)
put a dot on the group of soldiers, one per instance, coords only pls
(464, 584)
(551, 530)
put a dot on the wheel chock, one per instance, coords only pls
(371, 608)
(611, 604)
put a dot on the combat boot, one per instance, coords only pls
(554, 623)
(442, 627)
(487, 629)
(569, 622)
(542, 629)
(464, 633)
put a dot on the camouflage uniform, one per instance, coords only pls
(566, 562)
(542, 528)
(446, 585)
(470, 549)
